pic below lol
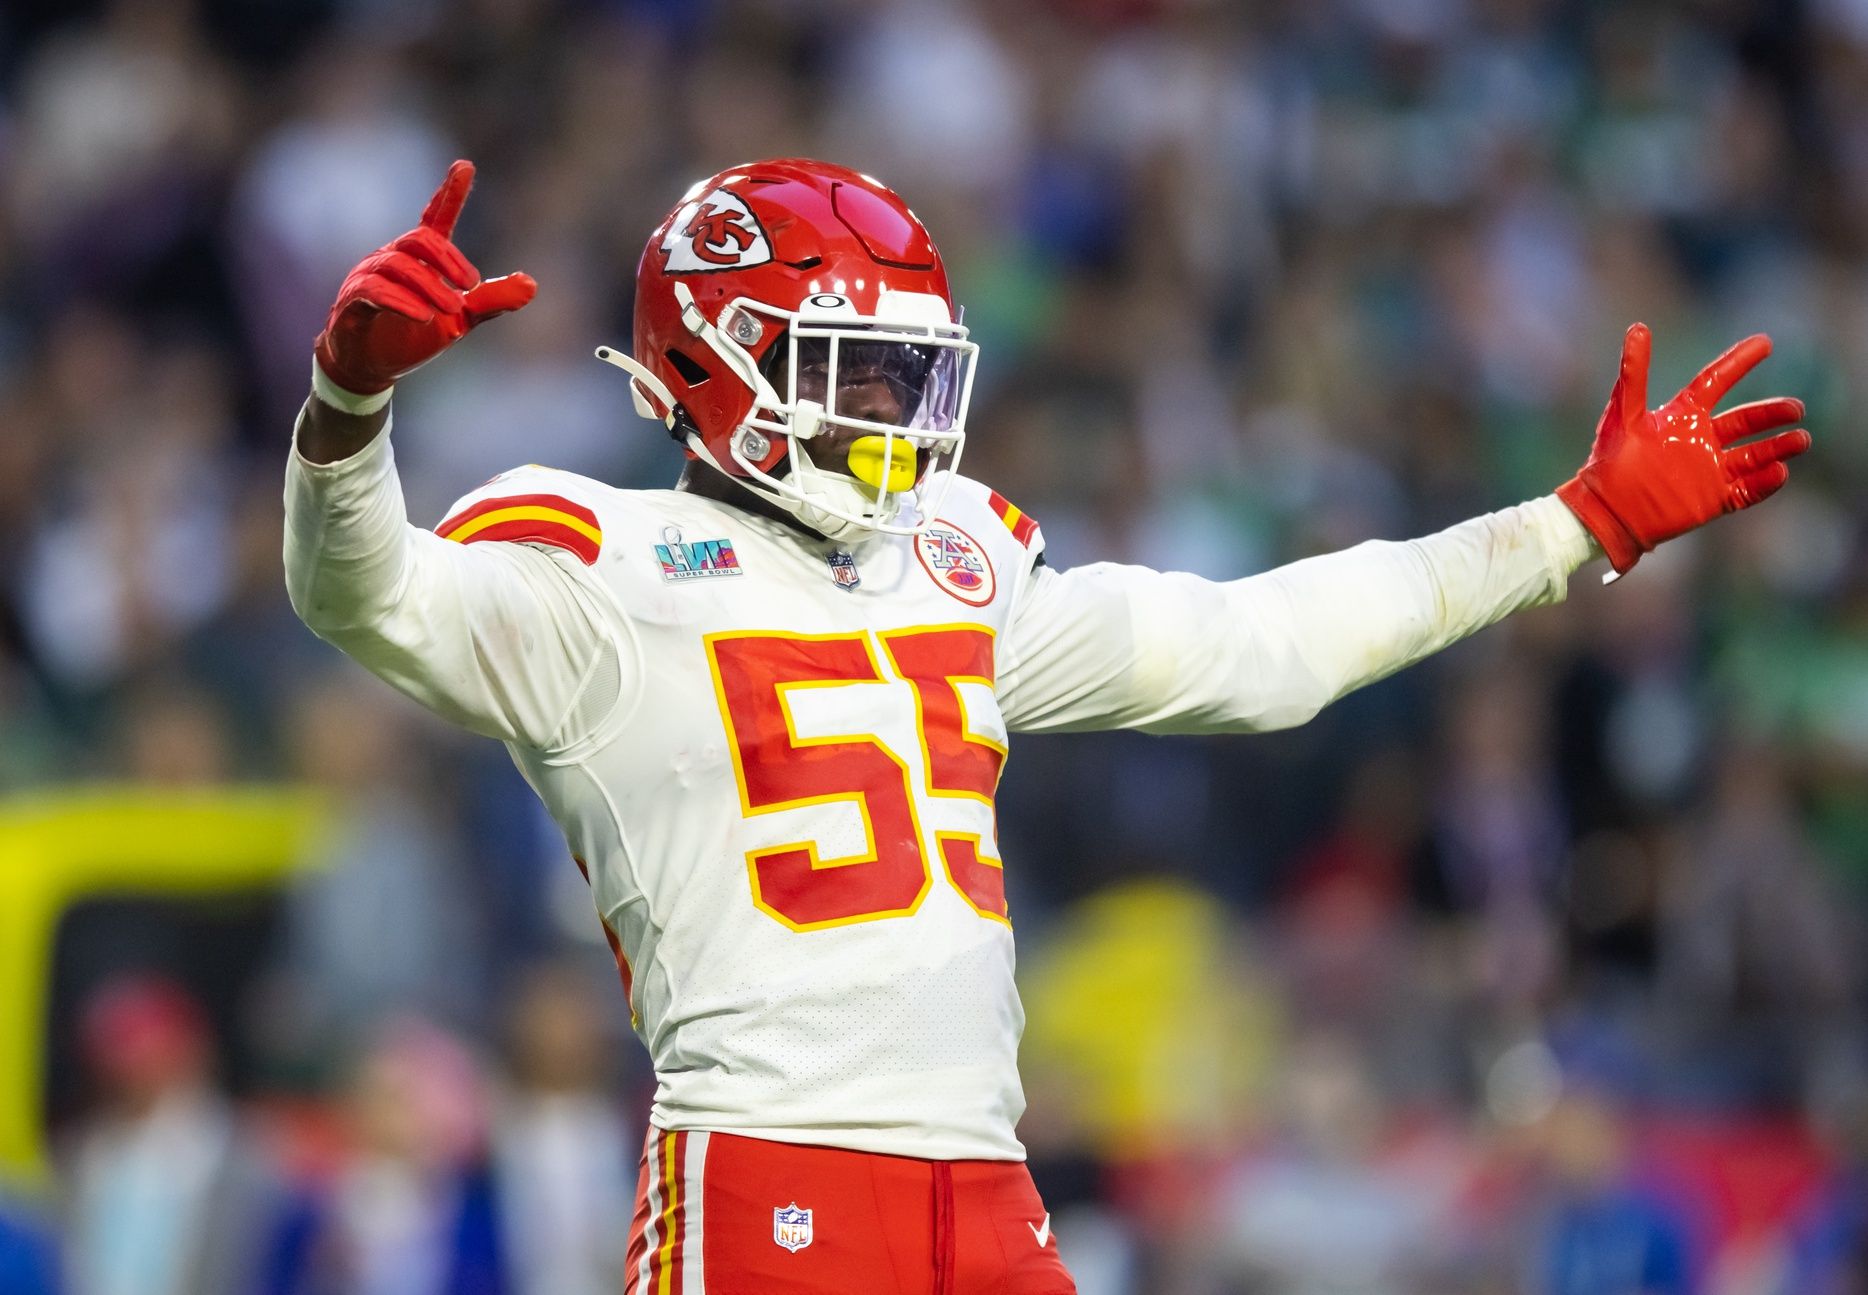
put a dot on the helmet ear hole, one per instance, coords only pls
(689, 368)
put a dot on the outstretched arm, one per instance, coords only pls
(1124, 647)
(501, 638)
(1109, 646)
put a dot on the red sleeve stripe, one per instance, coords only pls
(1022, 525)
(539, 519)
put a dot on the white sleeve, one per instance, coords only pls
(500, 638)
(1110, 646)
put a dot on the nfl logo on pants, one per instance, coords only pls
(791, 1227)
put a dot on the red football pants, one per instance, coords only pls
(718, 1214)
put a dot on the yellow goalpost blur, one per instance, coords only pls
(68, 846)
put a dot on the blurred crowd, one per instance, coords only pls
(1538, 968)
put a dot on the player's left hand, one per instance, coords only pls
(1657, 473)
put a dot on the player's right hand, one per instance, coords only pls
(411, 299)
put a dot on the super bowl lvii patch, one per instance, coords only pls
(681, 560)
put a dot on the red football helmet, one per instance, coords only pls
(771, 290)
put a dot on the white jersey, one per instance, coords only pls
(775, 757)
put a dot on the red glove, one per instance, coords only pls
(407, 302)
(1657, 473)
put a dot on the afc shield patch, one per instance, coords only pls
(957, 563)
(791, 1227)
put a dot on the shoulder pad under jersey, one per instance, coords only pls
(531, 505)
(976, 497)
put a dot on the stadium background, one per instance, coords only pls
(1538, 968)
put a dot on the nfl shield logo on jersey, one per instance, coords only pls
(843, 570)
(791, 1227)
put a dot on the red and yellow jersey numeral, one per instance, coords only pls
(778, 770)
(960, 761)
(754, 674)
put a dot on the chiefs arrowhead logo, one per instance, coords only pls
(716, 231)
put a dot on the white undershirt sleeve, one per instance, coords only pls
(1108, 646)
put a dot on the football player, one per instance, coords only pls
(769, 708)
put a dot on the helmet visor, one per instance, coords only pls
(888, 396)
(910, 385)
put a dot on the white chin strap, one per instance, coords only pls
(840, 495)
(834, 505)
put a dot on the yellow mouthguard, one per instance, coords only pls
(867, 463)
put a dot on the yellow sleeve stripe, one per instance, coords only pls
(1016, 520)
(535, 518)
(467, 530)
